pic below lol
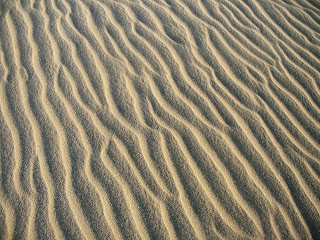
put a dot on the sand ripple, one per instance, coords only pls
(149, 119)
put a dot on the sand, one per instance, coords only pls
(153, 119)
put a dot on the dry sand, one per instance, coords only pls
(152, 119)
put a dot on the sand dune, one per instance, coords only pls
(149, 119)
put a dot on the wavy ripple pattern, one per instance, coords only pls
(149, 119)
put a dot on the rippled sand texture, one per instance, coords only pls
(154, 119)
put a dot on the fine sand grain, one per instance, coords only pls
(153, 119)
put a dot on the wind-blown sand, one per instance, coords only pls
(153, 119)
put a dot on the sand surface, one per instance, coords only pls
(153, 119)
